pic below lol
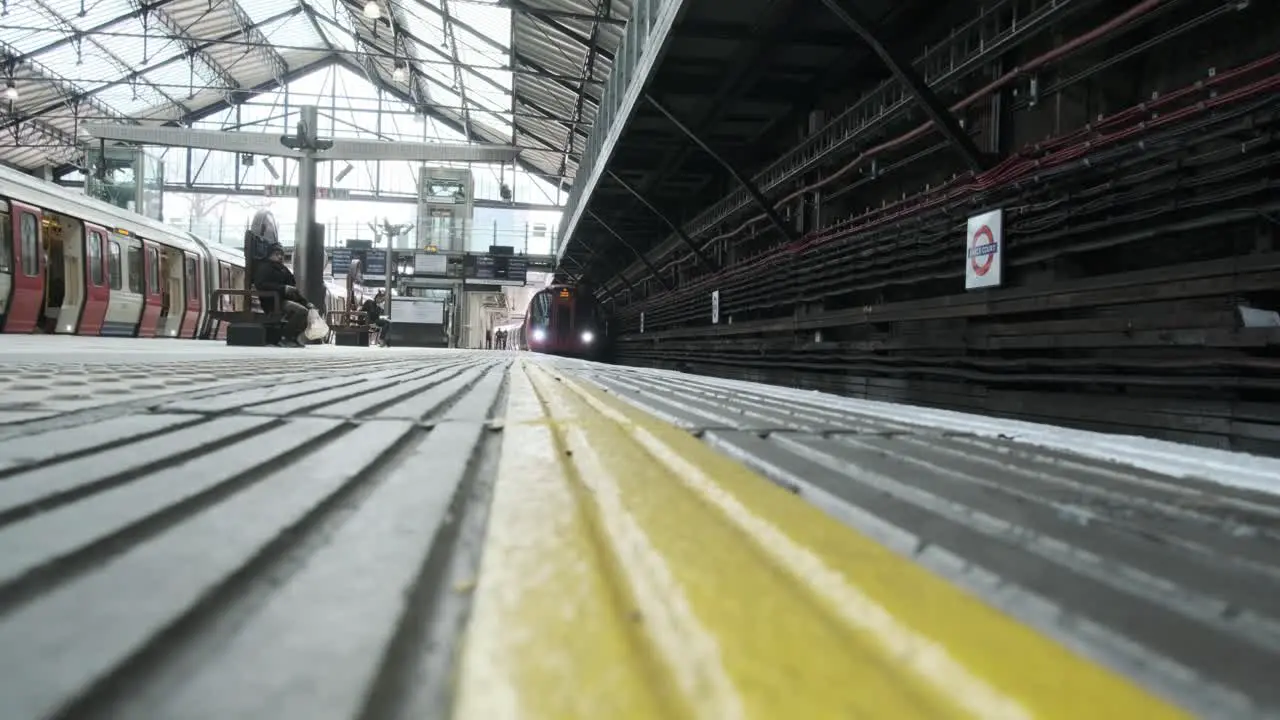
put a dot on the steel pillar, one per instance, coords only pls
(652, 270)
(688, 241)
(742, 179)
(308, 254)
(900, 66)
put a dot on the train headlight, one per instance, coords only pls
(539, 335)
(588, 336)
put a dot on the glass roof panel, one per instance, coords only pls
(261, 10)
(424, 25)
(132, 98)
(85, 14)
(292, 32)
(79, 70)
(26, 28)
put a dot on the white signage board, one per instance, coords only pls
(984, 251)
(417, 311)
(429, 264)
(715, 307)
(641, 322)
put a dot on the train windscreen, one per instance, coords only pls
(539, 310)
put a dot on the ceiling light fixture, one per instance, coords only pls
(371, 10)
(400, 73)
(11, 91)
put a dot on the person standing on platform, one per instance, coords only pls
(488, 338)
(272, 277)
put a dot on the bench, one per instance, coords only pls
(250, 326)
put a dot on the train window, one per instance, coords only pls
(29, 231)
(6, 244)
(113, 264)
(135, 269)
(193, 283)
(153, 271)
(94, 246)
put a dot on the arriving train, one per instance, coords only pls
(71, 264)
(565, 320)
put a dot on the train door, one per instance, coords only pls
(152, 293)
(6, 259)
(26, 277)
(173, 299)
(191, 288)
(64, 273)
(124, 275)
(97, 289)
(562, 318)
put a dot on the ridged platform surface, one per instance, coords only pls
(194, 531)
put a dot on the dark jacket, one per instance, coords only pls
(372, 311)
(270, 277)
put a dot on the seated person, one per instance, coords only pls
(373, 313)
(271, 276)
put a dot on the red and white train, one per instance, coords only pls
(71, 264)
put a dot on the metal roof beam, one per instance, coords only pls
(132, 76)
(538, 69)
(746, 182)
(746, 61)
(444, 58)
(518, 6)
(554, 78)
(262, 46)
(603, 8)
(638, 253)
(59, 147)
(120, 63)
(449, 121)
(701, 257)
(586, 42)
(68, 39)
(849, 14)
(452, 38)
(72, 95)
(180, 34)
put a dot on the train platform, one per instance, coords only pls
(194, 531)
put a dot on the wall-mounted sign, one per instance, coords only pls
(984, 251)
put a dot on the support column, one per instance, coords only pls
(742, 179)
(308, 254)
(814, 211)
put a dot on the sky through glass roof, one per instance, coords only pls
(516, 72)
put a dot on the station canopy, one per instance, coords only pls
(514, 72)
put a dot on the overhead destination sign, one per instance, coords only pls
(501, 268)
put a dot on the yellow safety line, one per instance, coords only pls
(633, 572)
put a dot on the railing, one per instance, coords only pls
(526, 238)
(647, 31)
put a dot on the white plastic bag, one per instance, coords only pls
(317, 328)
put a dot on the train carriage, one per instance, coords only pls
(564, 320)
(71, 264)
